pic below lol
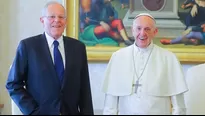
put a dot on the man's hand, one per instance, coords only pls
(105, 26)
(194, 11)
(187, 6)
(87, 20)
(111, 18)
(187, 31)
(183, 6)
(203, 27)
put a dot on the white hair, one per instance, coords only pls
(44, 10)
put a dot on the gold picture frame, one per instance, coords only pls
(102, 54)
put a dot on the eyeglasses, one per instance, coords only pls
(53, 17)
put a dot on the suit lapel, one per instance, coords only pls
(46, 55)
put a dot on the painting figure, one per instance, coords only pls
(101, 24)
(197, 13)
(124, 3)
(188, 4)
(192, 36)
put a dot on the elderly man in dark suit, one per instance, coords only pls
(49, 74)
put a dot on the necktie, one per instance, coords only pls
(58, 61)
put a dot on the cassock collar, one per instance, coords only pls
(138, 49)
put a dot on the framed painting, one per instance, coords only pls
(104, 26)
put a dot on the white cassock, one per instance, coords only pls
(161, 77)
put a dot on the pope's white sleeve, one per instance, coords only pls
(178, 105)
(110, 105)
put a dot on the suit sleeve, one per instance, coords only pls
(86, 106)
(16, 82)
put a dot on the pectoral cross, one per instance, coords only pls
(137, 85)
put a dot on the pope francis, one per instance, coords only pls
(144, 78)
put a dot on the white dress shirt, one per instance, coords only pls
(50, 41)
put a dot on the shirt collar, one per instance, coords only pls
(50, 40)
(138, 49)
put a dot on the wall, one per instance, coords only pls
(4, 52)
(20, 19)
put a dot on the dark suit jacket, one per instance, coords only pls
(33, 69)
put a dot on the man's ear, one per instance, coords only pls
(156, 31)
(66, 22)
(41, 19)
